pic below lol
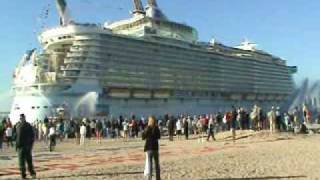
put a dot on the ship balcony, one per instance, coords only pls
(80, 61)
(82, 69)
(70, 77)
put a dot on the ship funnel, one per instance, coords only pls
(138, 8)
(152, 3)
(153, 10)
(63, 12)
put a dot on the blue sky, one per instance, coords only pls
(288, 28)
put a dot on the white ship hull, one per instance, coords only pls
(89, 105)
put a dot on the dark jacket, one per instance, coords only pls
(171, 125)
(186, 125)
(25, 135)
(151, 135)
(234, 118)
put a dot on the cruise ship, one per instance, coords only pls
(146, 64)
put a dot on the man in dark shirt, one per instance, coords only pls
(234, 123)
(186, 128)
(171, 126)
(24, 143)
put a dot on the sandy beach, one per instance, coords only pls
(253, 156)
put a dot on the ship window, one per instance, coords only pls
(32, 107)
(38, 107)
(46, 107)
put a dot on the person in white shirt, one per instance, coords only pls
(83, 132)
(52, 131)
(125, 126)
(9, 136)
(52, 137)
(272, 120)
(44, 132)
(179, 128)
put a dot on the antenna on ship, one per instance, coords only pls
(153, 10)
(64, 14)
(138, 8)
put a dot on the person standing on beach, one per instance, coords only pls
(278, 119)
(24, 144)
(77, 131)
(272, 120)
(99, 128)
(83, 133)
(9, 136)
(152, 135)
(186, 128)
(125, 126)
(2, 129)
(179, 128)
(171, 126)
(234, 123)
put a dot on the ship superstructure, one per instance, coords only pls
(143, 65)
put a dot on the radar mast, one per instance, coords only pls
(153, 11)
(64, 13)
(138, 8)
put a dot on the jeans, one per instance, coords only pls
(153, 155)
(106, 132)
(24, 154)
(211, 133)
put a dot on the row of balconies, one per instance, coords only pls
(135, 54)
(255, 57)
(218, 67)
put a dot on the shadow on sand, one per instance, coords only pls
(94, 175)
(251, 178)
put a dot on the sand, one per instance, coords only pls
(254, 156)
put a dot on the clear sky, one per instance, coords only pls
(288, 28)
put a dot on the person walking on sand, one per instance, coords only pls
(211, 129)
(24, 144)
(152, 135)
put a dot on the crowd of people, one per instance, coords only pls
(202, 126)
